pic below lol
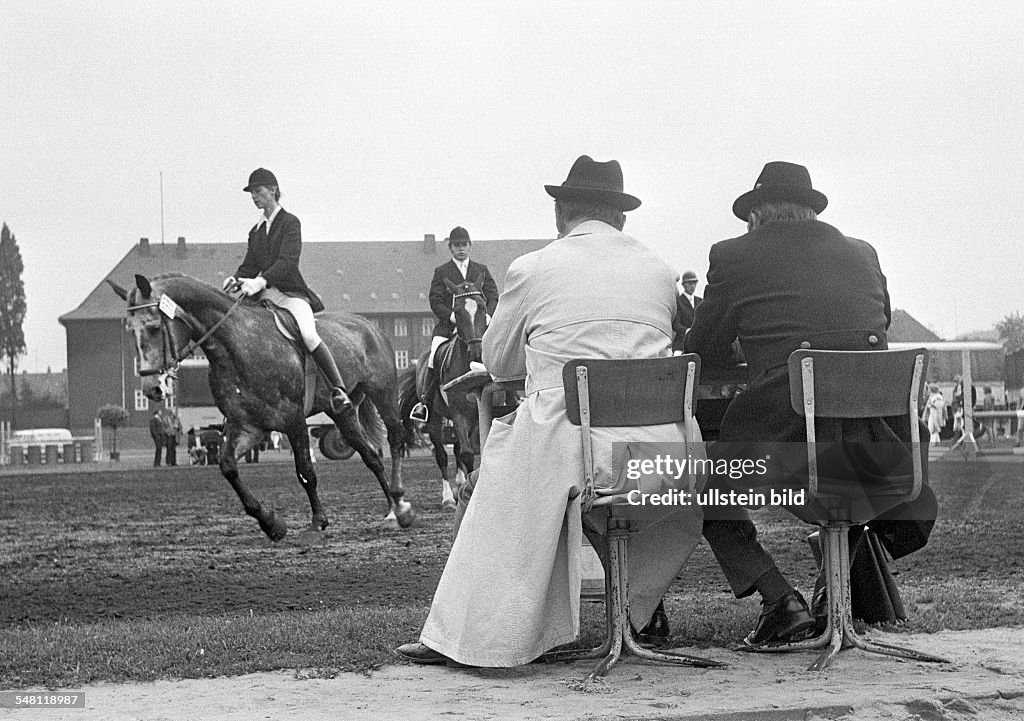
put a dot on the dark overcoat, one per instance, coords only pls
(441, 298)
(683, 318)
(774, 288)
(276, 256)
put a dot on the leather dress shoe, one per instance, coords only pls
(418, 653)
(783, 621)
(656, 632)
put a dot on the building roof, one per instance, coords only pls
(365, 277)
(904, 328)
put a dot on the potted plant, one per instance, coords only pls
(113, 417)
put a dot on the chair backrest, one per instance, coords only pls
(631, 392)
(628, 392)
(857, 384)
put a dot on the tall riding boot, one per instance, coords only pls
(325, 361)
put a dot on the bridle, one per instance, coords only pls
(471, 294)
(171, 356)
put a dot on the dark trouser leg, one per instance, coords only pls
(325, 361)
(159, 451)
(733, 539)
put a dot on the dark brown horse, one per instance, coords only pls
(258, 380)
(452, 361)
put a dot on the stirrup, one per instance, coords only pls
(419, 413)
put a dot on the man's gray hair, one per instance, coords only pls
(576, 211)
(770, 212)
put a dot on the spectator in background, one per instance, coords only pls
(988, 403)
(934, 415)
(156, 432)
(172, 435)
(686, 303)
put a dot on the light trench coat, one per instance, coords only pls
(511, 587)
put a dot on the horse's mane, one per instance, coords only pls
(173, 281)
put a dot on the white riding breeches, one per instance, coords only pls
(435, 343)
(300, 310)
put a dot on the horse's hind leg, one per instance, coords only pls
(353, 433)
(299, 438)
(238, 442)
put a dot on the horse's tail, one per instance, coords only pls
(372, 424)
(407, 398)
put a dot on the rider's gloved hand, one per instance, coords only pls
(229, 284)
(253, 286)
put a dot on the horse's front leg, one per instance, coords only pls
(435, 432)
(306, 473)
(464, 456)
(237, 441)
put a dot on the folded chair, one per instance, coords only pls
(840, 385)
(640, 392)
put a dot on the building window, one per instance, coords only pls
(401, 328)
(401, 359)
(427, 327)
(135, 365)
(141, 402)
(169, 401)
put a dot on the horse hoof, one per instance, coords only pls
(405, 514)
(448, 505)
(275, 528)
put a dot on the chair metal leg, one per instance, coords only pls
(839, 632)
(619, 631)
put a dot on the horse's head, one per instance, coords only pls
(470, 308)
(158, 338)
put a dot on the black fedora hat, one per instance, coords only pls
(258, 177)
(590, 180)
(780, 182)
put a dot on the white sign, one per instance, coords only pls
(168, 306)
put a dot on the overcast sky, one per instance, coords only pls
(388, 120)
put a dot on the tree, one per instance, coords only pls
(113, 417)
(12, 306)
(1011, 330)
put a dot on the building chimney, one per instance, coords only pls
(143, 246)
(429, 244)
(181, 246)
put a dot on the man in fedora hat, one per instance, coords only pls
(686, 303)
(511, 587)
(456, 271)
(791, 281)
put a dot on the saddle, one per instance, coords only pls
(442, 362)
(287, 326)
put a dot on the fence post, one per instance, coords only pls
(97, 430)
(5, 443)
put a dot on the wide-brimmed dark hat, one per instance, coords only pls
(258, 177)
(780, 182)
(590, 180)
(458, 233)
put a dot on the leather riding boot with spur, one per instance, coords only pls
(325, 361)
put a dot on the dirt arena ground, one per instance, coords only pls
(138, 542)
